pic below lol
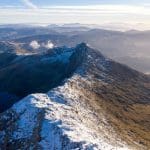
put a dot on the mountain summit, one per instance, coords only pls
(100, 104)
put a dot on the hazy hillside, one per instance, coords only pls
(120, 46)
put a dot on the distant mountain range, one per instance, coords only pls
(88, 101)
(130, 48)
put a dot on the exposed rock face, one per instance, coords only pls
(103, 105)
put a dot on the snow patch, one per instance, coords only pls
(67, 123)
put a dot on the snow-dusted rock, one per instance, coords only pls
(56, 120)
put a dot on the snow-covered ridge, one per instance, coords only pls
(63, 121)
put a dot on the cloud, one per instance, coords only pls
(29, 4)
(137, 17)
(35, 45)
(49, 45)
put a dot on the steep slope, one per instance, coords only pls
(103, 105)
(21, 74)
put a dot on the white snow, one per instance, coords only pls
(28, 118)
(66, 116)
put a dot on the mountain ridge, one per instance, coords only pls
(102, 105)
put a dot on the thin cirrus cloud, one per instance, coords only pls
(29, 4)
(90, 14)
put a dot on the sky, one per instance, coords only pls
(117, 14)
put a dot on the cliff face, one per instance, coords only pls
(102, 105)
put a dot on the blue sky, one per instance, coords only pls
(72, 2)
(106, 13)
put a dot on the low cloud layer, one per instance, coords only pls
(137, 16)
